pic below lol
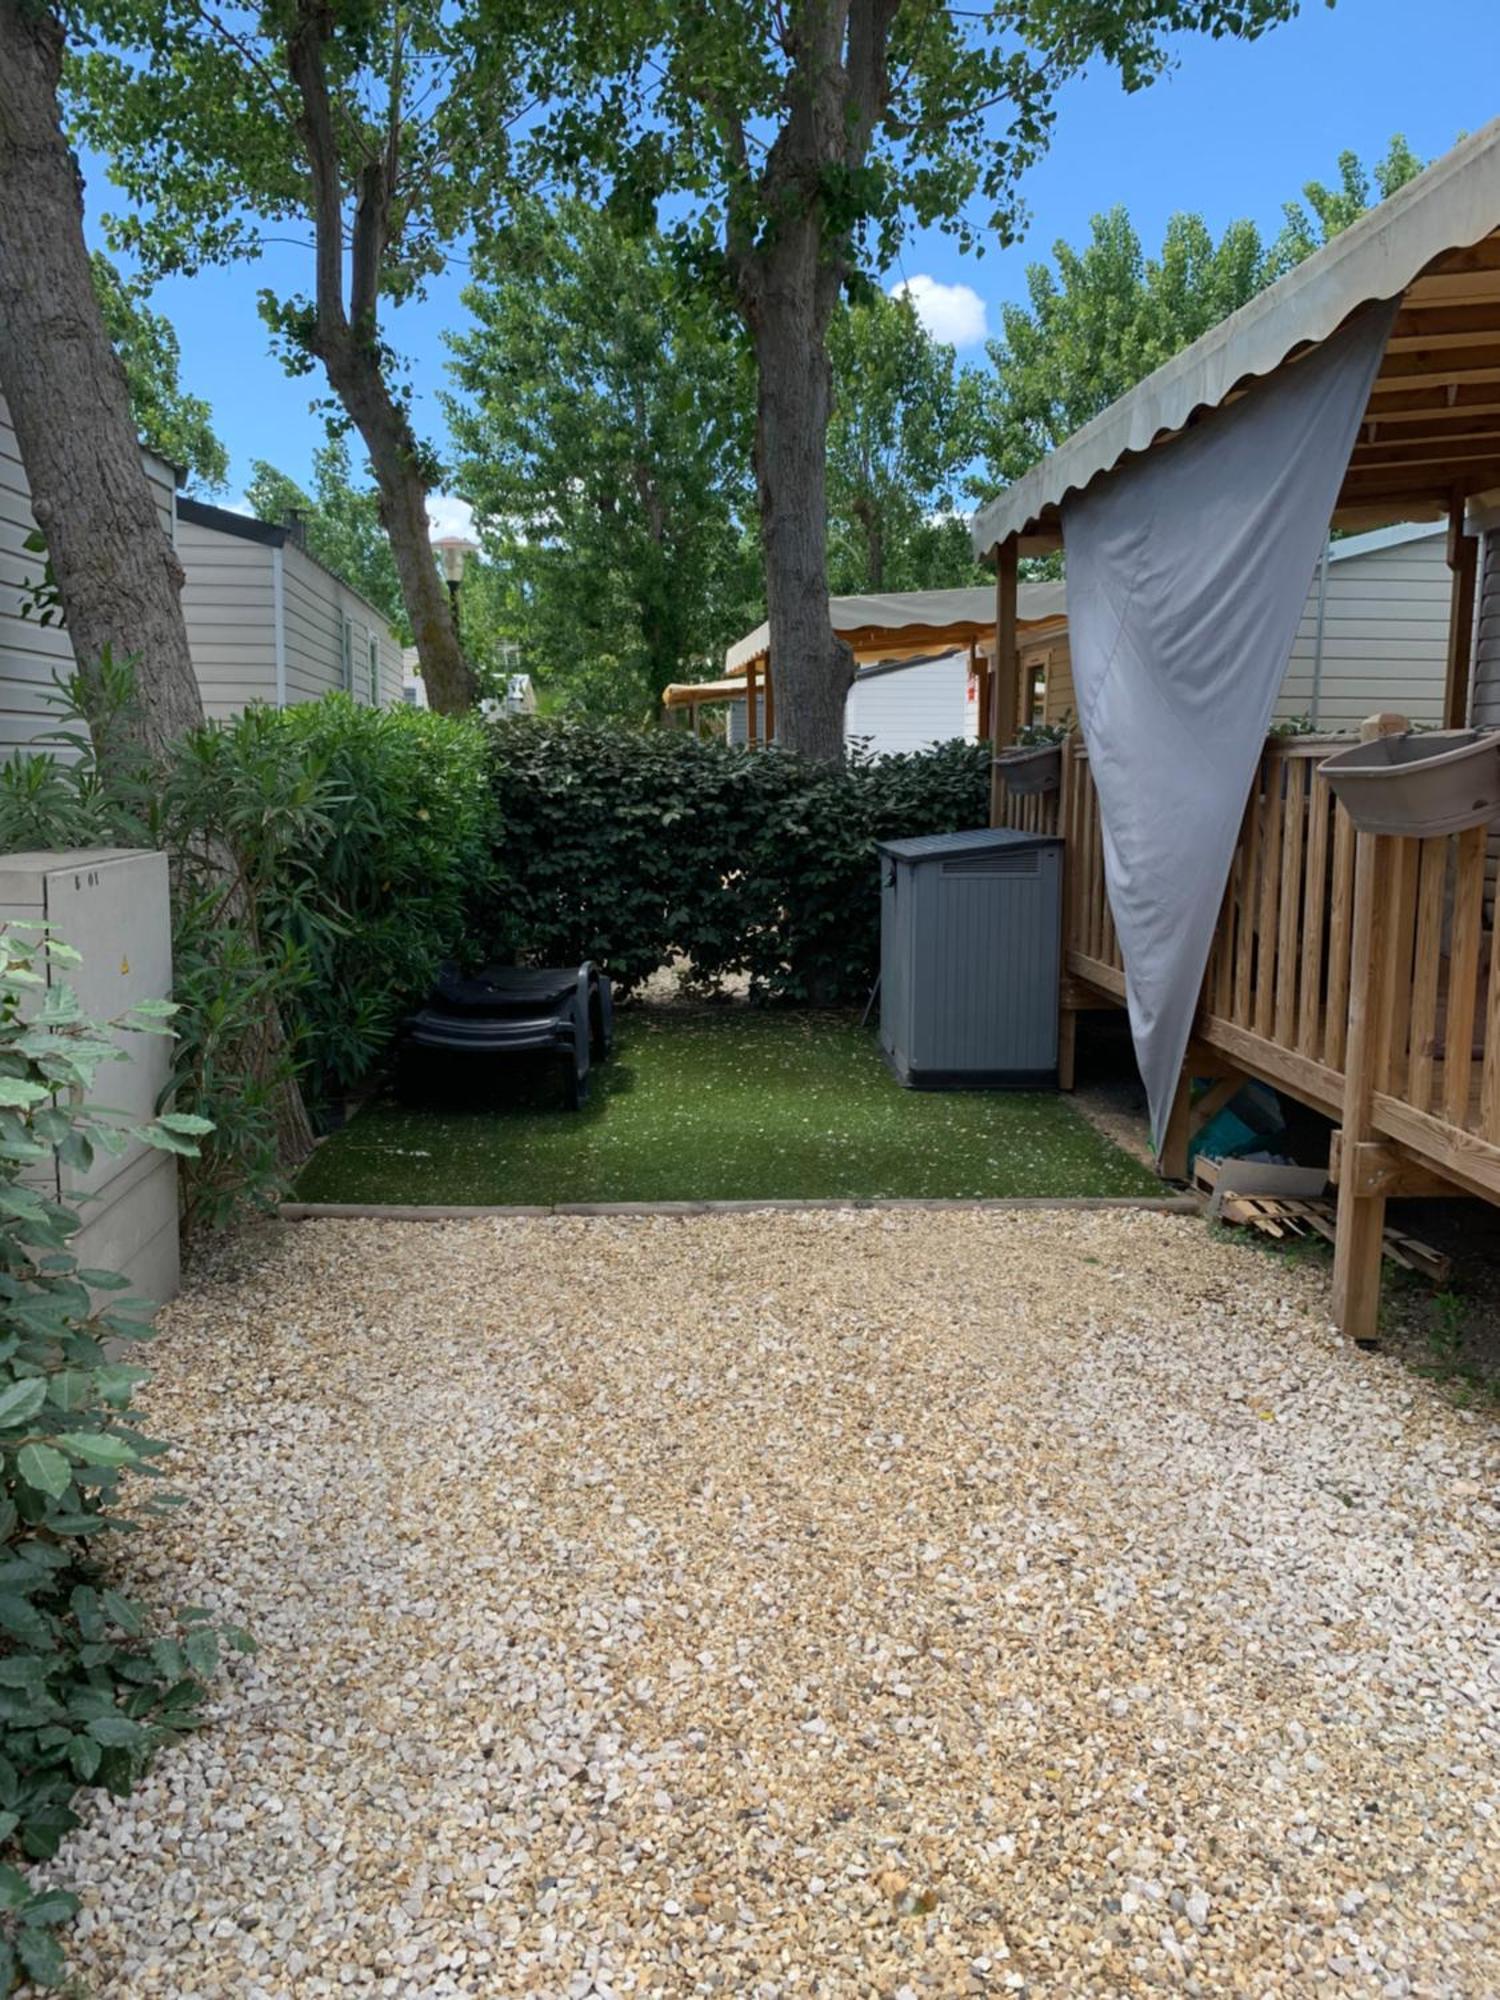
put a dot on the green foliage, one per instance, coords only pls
(632, 847)
(88, 1688)
(322, 861)
(1108, 314)
(342, 523)
(904, 429)
(870, 117)
(604, 433)
(175, 424)
(1324, 210)
(382, 894)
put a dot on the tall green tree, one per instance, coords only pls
(341, 522)
(1324, 210)
(118, 578)
(603, 436)
(175, 423)
(380, 128)
(903, 428)
(800, 138)
(1097, 320)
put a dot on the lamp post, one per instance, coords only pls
(453, 552)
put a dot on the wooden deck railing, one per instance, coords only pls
(1290, 970)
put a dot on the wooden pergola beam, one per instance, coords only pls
(1463, 560)
(1007, 659)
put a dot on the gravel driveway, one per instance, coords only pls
(836, 1604)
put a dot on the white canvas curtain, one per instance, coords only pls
(1187, 574)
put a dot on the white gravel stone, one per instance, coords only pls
(848, 1603)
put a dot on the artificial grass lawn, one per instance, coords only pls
(722, 1105)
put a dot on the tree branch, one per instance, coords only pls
(304, 54)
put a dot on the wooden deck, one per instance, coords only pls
(1359, 974)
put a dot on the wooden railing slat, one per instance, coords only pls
(1489, 1101)
(1463, 973)
(1340, 932)
(1431, 885)
(1244, 948)
(1270, 894)
(1314, 918)
(1399, 895)
(1293, 844)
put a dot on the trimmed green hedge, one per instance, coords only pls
(631, 847)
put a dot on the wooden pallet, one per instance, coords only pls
(1280, 1216)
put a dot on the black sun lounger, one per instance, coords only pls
(518, 1010)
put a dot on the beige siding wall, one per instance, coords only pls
(229, 601)
(317, 604)
(1385, 637)
(33, 656)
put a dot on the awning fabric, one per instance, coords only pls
(1187, 574)
(1454, 204)
(953, 612)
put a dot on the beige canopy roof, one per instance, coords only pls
(1434, 412)
(912, 616)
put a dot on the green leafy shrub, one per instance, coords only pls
(88, 1690)
(323, 858)
(384, 894)
(631, 847)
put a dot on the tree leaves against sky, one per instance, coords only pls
(1099, 319)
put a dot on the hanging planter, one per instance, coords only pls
(1032, 769)
(1439, 782)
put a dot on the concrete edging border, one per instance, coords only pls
(358, 1211)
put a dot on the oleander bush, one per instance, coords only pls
(633, 847)
(90, 1685)
(324, 859)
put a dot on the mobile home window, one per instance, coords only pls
(346, 642)
(374, 671)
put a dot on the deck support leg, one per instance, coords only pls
(1172, 1161)
(1067, 1046)
(1361, 1217)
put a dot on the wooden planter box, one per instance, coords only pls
(1027, 772)
(1417, 786)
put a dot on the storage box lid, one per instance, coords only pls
(978, 840)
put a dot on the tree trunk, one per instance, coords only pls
(867, 513)
(347, 341)
(117, 574)
(788, 308)
(118, 578)
(355, 376)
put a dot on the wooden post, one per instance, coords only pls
(1463, 560)
(1067, 1016)
(1003, 716)
(750, 721)
(1361, 1217)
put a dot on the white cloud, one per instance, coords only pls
(448, 515)
(954, 313)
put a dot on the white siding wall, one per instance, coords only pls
(912, 709)
(32, 656)
(316, 605)
(1385, 636)
(229, 601)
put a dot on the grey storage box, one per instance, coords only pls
(111, 904)
(970, 954)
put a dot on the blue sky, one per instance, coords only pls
(1234, 131)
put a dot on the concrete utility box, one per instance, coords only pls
(112, 905)
(970, 945)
